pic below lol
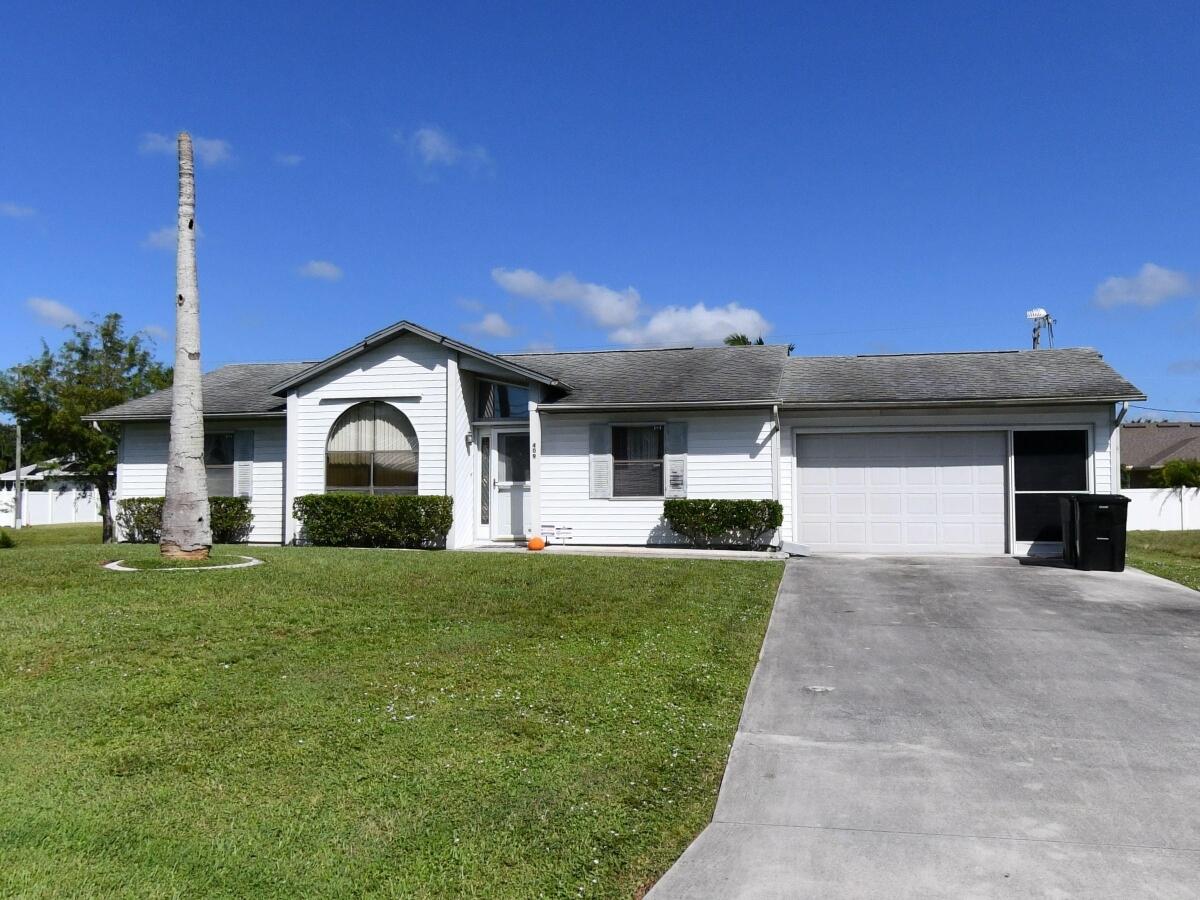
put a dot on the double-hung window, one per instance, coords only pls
(637, 460)
(218, 463)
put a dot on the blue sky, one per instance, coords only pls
(851, 178)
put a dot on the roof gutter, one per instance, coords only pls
(920, 404)
(282, 414)
(655, 404)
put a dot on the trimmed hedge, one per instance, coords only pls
(363, 520)
(140, 519)
(724, 523)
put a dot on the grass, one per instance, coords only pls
(1171, 554)
(341, 722)
(43, 535)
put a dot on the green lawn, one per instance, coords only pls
(40, 535)
(342, 722)
(1171, 554)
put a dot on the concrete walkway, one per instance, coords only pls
(962, 728)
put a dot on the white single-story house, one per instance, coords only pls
(911, 453)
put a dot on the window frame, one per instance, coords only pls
(229, 467)
(1088, 466)
(482, 384)
(370, 489)
(612, 460)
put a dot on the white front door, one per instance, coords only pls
(896, 492)
(510, 514)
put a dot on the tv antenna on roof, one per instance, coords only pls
(1041, 319)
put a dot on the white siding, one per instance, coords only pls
(142, 468)
(463, 531)
(408, 372)
(1097, 417)
(729, 457)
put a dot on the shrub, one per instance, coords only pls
(728, 523)
(362, 520)
(6, 541)
(231, 519)
(1179, 473)
(140, 519)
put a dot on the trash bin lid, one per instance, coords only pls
(1101, 499)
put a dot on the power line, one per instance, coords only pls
(1186, 412)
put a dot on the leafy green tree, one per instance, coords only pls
(8, 446)
(97, 366)
(1180, 473)
(737, 339)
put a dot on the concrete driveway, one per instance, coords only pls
(962, 728)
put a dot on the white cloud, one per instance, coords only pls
(605, 306)
(493, 325)
(210, 151)
(153, 142)
(16, 210)
(433, 147)
(165, 238)
(320, 269)
(161, 238)
(157, 332)
(51, 312)
(1151, 286)
(289, 159)
(680, 325)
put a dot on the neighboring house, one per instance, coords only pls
(1146, 446)
(50, 475)
(921, 453)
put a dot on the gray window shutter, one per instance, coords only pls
(600, 461)
(243, 463)
(675, 459)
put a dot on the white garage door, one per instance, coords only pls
(909, 492)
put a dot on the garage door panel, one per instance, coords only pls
(848, 474)
(920, 504)
(884, 474)
(886, 504)
(918, 475)
(902, 492)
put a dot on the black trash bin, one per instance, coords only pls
(1069, 514)
(1100, 531)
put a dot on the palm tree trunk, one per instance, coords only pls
(186, 532)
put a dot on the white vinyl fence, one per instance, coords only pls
(1163, 509)
(51, 507)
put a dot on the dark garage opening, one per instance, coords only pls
(1046, 464)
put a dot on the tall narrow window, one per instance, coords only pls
(218, 464)
(637, 459)
(1046, 465)
(485, 480)
(372, 449)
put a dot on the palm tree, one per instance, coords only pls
(186, 532)
(737, 339)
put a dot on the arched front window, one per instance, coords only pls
(373, 449)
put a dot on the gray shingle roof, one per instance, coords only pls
(727, 375)
(1069, 374)
(662, 377)
(1147, 444)
(239, 389)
